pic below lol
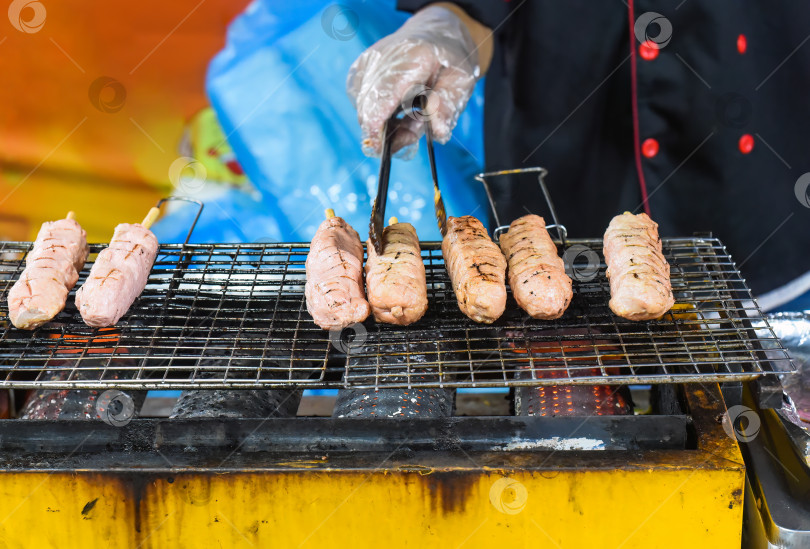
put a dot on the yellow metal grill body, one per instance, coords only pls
(515, 498)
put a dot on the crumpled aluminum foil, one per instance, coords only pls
(794, 331)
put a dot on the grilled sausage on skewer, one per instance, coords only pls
(536, 273)
(118, 276)
(395, 280)
(640, 288)
(476, 267)
(334, 288)
(51, 270)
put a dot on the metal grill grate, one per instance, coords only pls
(219, 315)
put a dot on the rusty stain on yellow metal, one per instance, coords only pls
(676, 498)
(415, 468)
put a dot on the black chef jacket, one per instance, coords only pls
(709, 132)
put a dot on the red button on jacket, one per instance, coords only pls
(742, 43)
(649, 148)
(648, 50)
(746, 143)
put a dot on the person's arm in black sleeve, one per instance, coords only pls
(439, 52)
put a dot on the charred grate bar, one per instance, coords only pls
(234, 316)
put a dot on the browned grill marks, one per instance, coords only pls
(536, 273)
(395, 279)
(477, 269)
(52, 269)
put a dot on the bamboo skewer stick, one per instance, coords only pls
(71, 215)
(330, 213)
(150, 218)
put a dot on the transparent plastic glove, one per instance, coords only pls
(431, 55)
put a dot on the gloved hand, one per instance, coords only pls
(432, 54)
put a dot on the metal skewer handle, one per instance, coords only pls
(562, 232)
(185, 199)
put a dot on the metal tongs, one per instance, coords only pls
(375, 227)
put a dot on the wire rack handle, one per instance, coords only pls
(185, 199)
(562, 232)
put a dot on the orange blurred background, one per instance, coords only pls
(94, 102)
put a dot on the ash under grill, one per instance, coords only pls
(234, 316)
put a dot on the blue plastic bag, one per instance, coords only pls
(278, 89)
